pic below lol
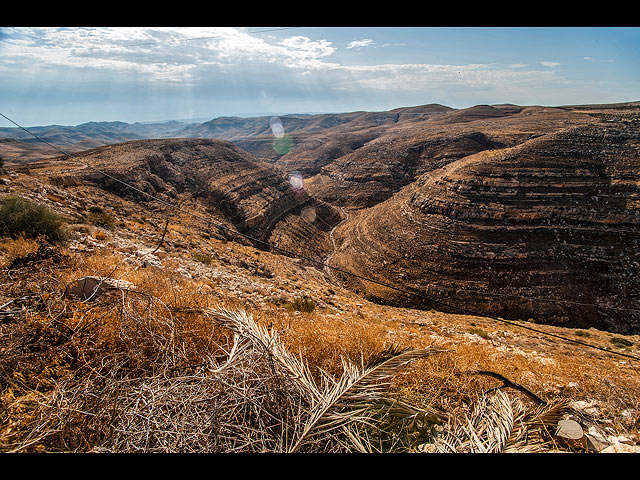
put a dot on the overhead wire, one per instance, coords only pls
(422, 296)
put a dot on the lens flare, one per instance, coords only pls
(282, 145)
(296, 181)
(276, 127)
(308, 214)
(265, 97)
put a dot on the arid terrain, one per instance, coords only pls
(507, 237)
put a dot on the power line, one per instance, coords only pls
(420, 295)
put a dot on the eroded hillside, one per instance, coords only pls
(137, 368)
(548, 229)
(235, 189)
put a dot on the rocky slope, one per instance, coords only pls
(193, 269)
(542, 230)
(254, 134)
(236, 189)
(520, 211)
(358, 169)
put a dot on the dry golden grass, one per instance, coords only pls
(12, 248)
(159, 326)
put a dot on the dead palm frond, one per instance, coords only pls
(356, 397)
(248, 334)
(499, 424)
(358, 393)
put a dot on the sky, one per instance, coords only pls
(68, 76)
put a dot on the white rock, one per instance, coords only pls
(596, 441)
(588, 408)
(623, 439)
(569, 429)
(621, 448)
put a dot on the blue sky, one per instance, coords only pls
(67, 76)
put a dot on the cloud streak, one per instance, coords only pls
(365, 42)
(161, 54)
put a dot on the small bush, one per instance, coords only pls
(22, 217)
(621, 342)
(304, 304)
(202, 257)
(478, 331)
(582, 333)
(100, 218)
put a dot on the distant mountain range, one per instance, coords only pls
(18, 146)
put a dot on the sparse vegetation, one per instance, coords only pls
(621, 342)
(100, 218)
(301, 304)
(22, 217)
(187, 356)
(202, 257)
(12, 248)
(147, 370)
(478, 331)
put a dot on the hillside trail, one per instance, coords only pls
(326, 269)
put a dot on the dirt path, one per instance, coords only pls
(333, 240)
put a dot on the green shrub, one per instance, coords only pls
(20, 216)
(304, 304)
(478, 331)
(202, 257)
(582, 333)
(100, 218)
(621, 342)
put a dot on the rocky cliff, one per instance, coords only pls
(360, 168)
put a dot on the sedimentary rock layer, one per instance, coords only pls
(251, 195)
(549, 230)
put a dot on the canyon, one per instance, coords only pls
(520, 212)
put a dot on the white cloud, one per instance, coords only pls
(421, 77)
(550, 64)
(160, 54)
(365, 42)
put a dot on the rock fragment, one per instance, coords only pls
(90, 287)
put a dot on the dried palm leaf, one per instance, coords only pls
(499, 424)
(247, 333)
(352, 396)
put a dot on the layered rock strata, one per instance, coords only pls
(547, 230)
(230, 183)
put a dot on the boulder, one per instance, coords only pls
(569, 433)
(90, 287)
(596, 440)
